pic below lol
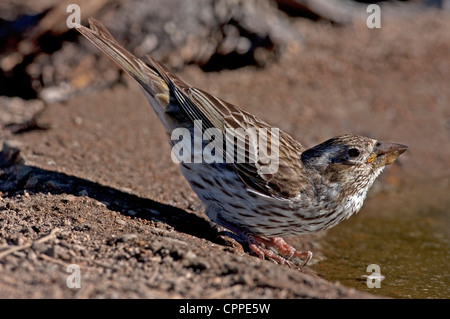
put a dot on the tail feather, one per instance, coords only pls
(151, 81)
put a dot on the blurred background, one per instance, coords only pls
(312, 68)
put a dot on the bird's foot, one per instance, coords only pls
(277, 250)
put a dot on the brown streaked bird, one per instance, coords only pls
(309, 190)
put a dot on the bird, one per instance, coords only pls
(260, 192)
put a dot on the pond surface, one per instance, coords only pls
(405, 232)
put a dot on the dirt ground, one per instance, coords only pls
(96, 187)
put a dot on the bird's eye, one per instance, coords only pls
(353, 152)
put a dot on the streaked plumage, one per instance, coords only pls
(311, 190)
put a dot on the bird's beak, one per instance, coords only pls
(386, 153)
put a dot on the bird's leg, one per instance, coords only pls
(262, 247)
(258, 246)
(271, 248)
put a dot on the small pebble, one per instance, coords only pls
(154, 212)
(68, 198)
(78, 120)
(120, 222)
(83, 193)
(126, 237)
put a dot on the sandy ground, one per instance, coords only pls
(98, 189)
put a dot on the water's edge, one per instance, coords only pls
(406, 233)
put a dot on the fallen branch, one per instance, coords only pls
(337, 11)
(25, 246)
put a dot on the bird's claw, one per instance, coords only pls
(275, 248)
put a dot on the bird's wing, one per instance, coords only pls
(282, 179)
(257, 167)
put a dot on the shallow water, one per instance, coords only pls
(405, 232)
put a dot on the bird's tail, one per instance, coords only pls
(150, 80)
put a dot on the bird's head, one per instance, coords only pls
(350, 163)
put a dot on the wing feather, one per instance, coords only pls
(239, 128)
(286, 182)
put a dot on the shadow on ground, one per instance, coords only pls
(19, 177)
